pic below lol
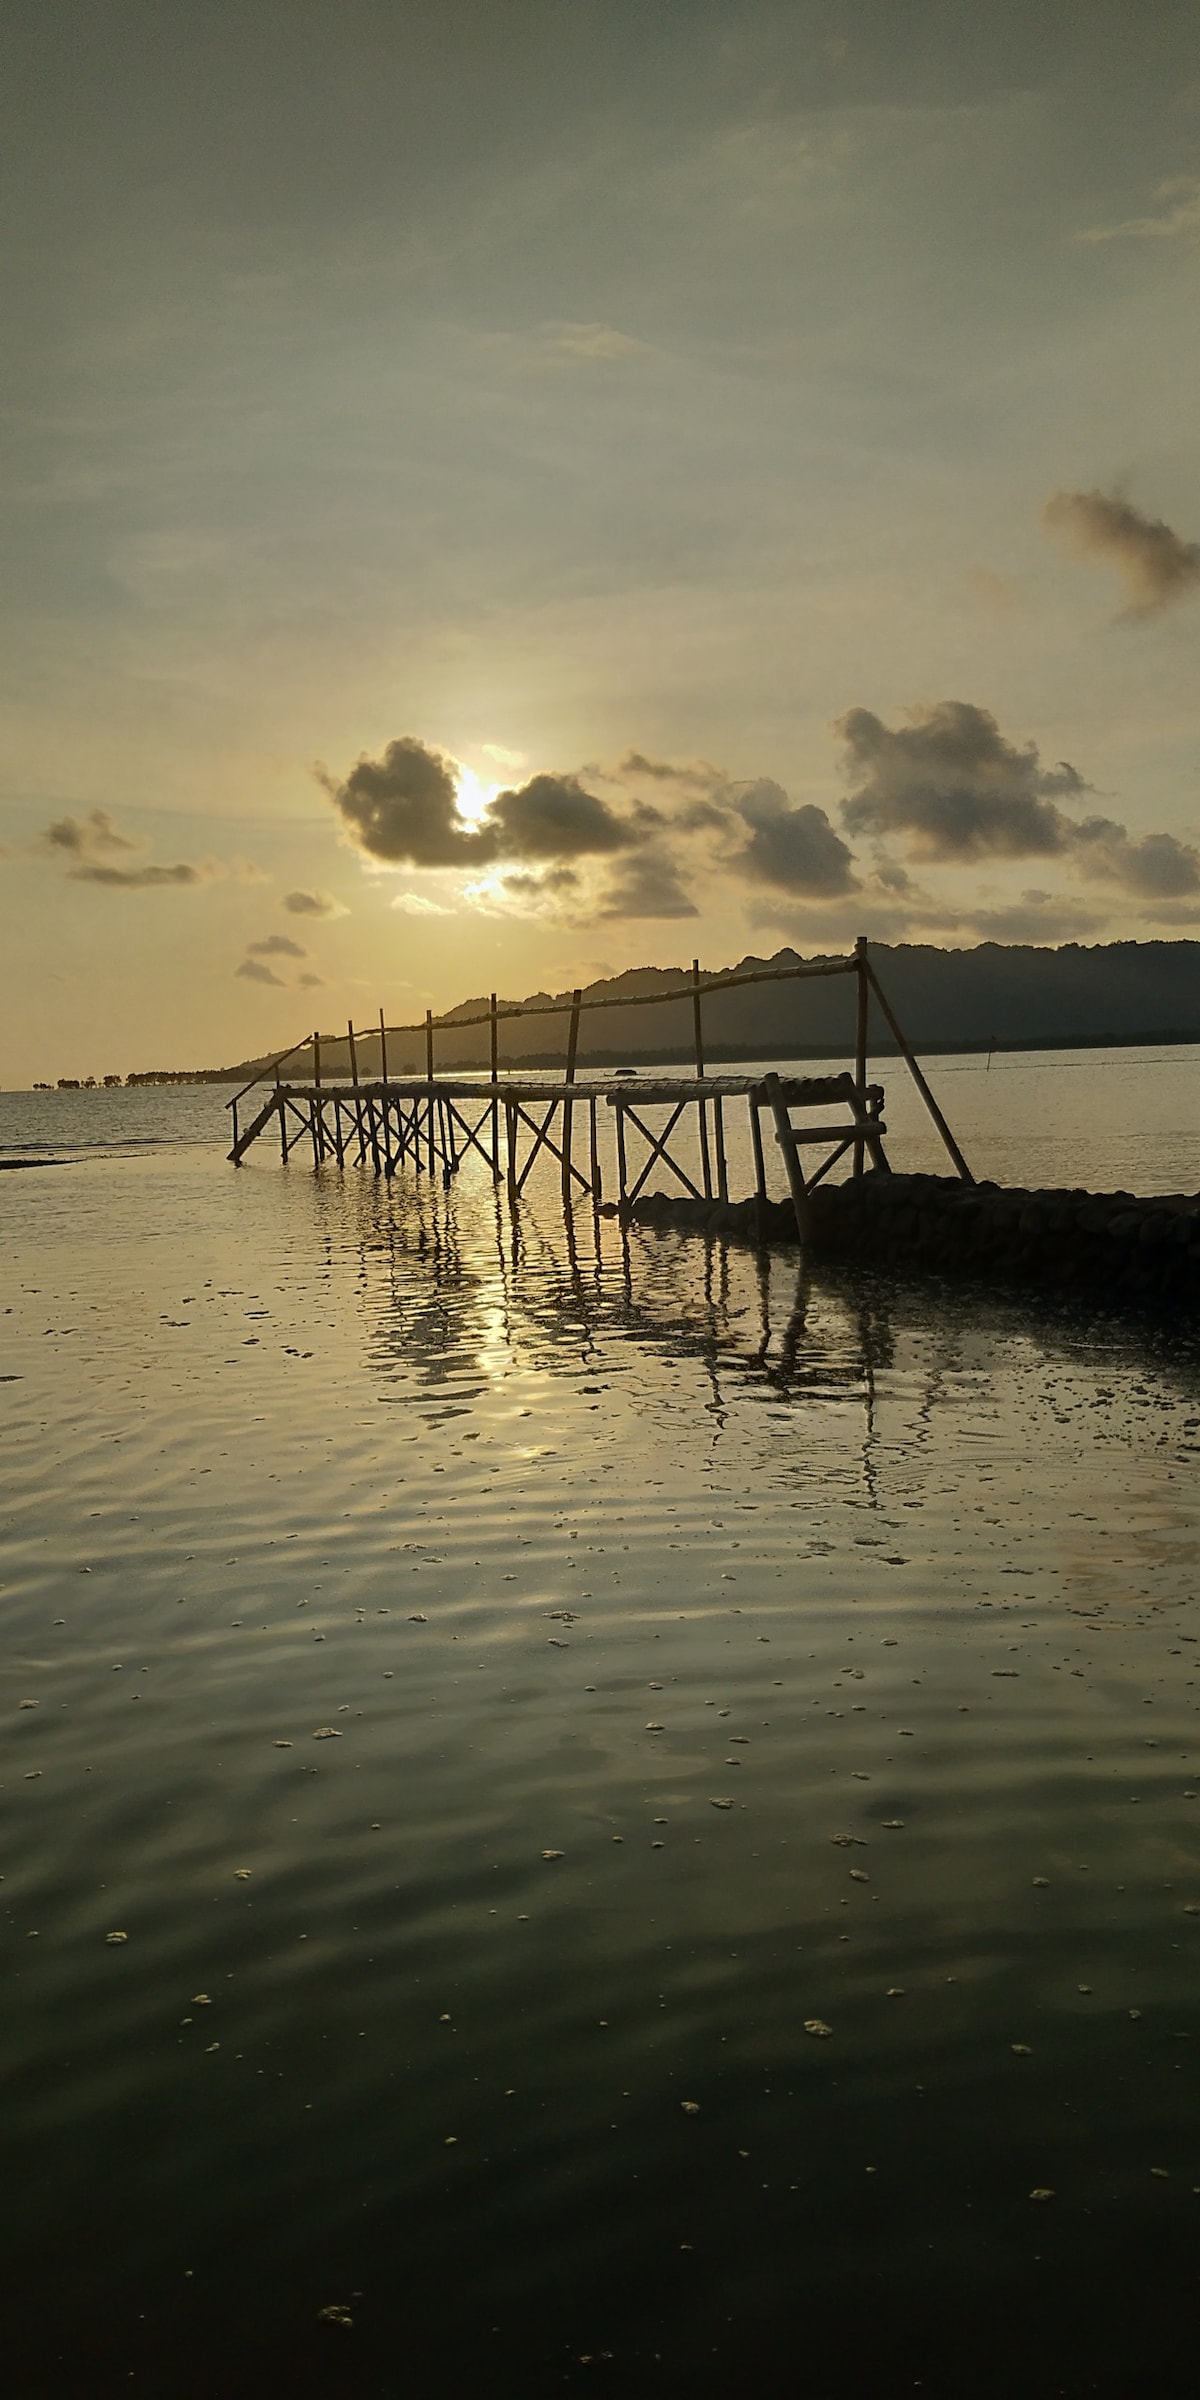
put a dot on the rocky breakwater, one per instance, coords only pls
(1140, 1249)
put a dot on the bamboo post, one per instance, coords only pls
(863, 992)
(318, 1115)
(568, 1106)
(429, 1077)
(383, 1074)
(756, 1144)
(719, 1131)
(235, 1127)
(313, 1116)
(791, 1155)
(495, 1059)
(923, 1088)
(510, 1136)
(358, 1115)
(283, 1138)
(622, 1171)
(338, 1143)
(594, 1152)
(702, 1111)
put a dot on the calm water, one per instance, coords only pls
(420, 1551)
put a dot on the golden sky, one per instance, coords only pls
(498, 493)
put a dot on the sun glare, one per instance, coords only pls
(473, 795)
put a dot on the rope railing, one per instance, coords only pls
(503, 1011)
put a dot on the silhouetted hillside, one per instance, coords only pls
(1012, 998)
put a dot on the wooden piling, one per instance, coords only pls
(429, 1079)
(510, 1136)
(698, 1033)
(594, 1153)
(318, 1120)
(756, 1144)
(568, 1106)
(791, 1155)
(622, 1170)
(494, 1046)
(862, 1008)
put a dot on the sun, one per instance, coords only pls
(474, 797)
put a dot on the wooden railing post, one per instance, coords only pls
(495, 1059)
(698, 1032)
(863, 997)
(568, 1106)
(429, 1079)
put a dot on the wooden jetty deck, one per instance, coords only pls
(433, 1123)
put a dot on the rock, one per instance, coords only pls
(818, 2028)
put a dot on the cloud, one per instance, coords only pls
(1036, 917)
(952, 787)
(312, 904)
(1156, 867)
(595, 341)
(403, 808)
(252, 970)
(92, 844)
(277, 945)
(503, 757)
(552, 816)
(1177, 221)
(310, 982)
(1155, 564)
(415, 904)
(552, 883)
(794, 848)
(87, 837)
(648, 886)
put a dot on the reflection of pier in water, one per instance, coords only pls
(533, 1289)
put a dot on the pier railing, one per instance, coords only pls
(434, 1121)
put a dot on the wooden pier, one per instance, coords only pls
(431, 1124)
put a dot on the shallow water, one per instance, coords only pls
(565, 1544)
(1108, 1120)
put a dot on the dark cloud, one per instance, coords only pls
(553, 883)
(1036, 917)
(951, 786)
(795, 849)
(87, 837)
(252, 970)
(552, 816)
(1156, 866)
(648, 886)
(92, 844)
(1155, 564)
(277, 945)
(403, 808)
(693, 774)
(310, 982)
(310, 904)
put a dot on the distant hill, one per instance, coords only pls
(996, 995)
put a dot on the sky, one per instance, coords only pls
(497, 494)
